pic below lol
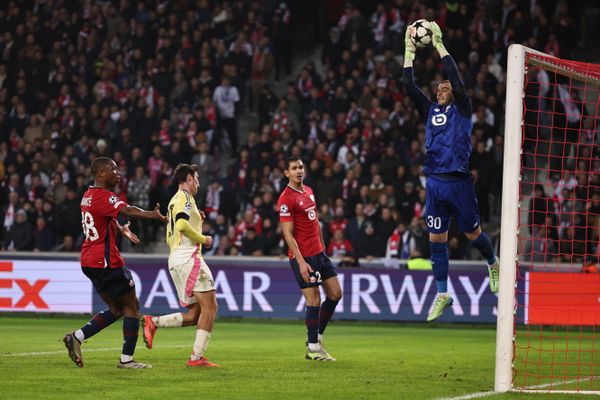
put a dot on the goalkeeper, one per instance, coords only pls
(449, 191)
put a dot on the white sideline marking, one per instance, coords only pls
(44, 353)
(529, 389)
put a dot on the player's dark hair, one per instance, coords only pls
(182, 171)
(290, 160)
(99, 164)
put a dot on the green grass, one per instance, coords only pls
(259, 360)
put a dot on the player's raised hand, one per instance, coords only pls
(409, 47)
(305, 270)
(437, 35)
(132, 237)
(158, 215)
(208, 241)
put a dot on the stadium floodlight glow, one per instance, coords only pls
(548, 310)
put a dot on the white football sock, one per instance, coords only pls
(320, 338)
(200, 344)
(125, 358)
(314, 346)
(174, 320)
(79, 335)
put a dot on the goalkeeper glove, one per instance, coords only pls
(409, 48)
(437, 39)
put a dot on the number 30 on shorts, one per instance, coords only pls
(435, 223)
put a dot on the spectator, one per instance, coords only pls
(208, 229)
(539, 207)
(20, 235)
(371, 244)
(67, 245)
(539, 248)
(252, 244)
(339, 221)
(43, 238)
(138, 193)
(57, 192)
(226, 97)
(206, 167)
(69, 214)
(339, 246)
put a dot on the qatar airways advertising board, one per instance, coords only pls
(369, 294)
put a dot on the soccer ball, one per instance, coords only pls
(420, 33)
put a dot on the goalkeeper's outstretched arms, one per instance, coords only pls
(458, 86)
(408, 79)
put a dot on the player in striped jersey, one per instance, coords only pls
(192, 277)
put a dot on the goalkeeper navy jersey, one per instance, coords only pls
(447, 128)
(447, 140)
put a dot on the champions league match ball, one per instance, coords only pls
(420, 33)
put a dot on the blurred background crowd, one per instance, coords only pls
(237, 86)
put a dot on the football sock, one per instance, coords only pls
(314, 346)
(131, 327)
(439, 261)
(125, 358)
(325, 314)
(79, 335)
(484, 245)
(312, 323)
(95, 325)
(174, 320)
(200, 344)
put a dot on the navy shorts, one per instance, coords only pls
(322, 266)
(448, 197)
(113, 281)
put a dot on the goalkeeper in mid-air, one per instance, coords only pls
(449, 191)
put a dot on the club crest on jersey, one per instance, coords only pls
(439, 119)
(113, 199)
(284, 210)
(187, 206)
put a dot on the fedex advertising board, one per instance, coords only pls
(44, 286)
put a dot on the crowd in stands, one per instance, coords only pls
(156, 83)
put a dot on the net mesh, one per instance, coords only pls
(557, 318)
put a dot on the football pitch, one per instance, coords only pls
(260, 359)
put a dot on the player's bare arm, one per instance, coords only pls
(136, 212)
(288, 233)
(126, 232)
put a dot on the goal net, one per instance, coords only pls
(549, 302)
